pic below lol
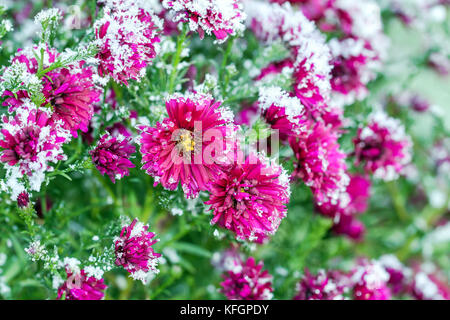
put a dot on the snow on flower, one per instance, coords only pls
(382, 147)
(325, 285)
(399, 275)
(250, 199)
(350, 203)
(192, 146)
(320, 163)
(428, 286)
(223, 18)
(134, 251)
(30, 142)
(370, 281)
(282, 112)
(69, 92)
(111, 156)
(251, 282)
(127, 37)
(80, 286)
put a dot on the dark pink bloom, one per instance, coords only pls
(319, 162)
(351, 203)
(248, 282)
(324, 285)
(399, 275)
(430, 284)
(370, 282)
(31, 141)
(275, 69)
(111, 156)
(223, 19)
(282, 112)
(71, 95)
(69, 92)
(128, 42)
(23, 199)
(134, 251)
(191, 146)
(250, 199)
(382, 147)
(80, 286)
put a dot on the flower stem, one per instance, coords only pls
(177, 58)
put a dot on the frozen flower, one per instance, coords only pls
(354, 63)
(319, 162)
(127, 37)
(134, 251)
(324, 285)
(191, 146)
(223, 18)
(282, 112)
(23, 200)
(36, 251)
(429, 283)
(80, 286)
(68, 92)
(350, 203)
(30, 142)
(249, 283)
(111, 156)
(399, 275)
(250, 199)
(228, 260)
(382, 147)
(370, 282)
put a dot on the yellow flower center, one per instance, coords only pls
(185, 142)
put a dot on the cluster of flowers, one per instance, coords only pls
(368, 280)
(133, 250)
(196, 145)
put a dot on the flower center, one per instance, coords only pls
(185, 141)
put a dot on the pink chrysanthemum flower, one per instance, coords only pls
(382, 147)
(282, 112)
(191, 146)
(23, 200)
(353, 67)
(350, 203)
(127, 36)
(310, 55)
(30, 142)
(80, 286)
(223, 18)
(324, 285)
(134, 251)
(399, 275)
(248, 282)
(370, 282)
(250, 199)
(69, 92)
(319, 162)
(111, 156)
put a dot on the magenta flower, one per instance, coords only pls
(80, 286)
(191, 146)
(324, 285)
(370, 282)
(250, 199)
(399, 275)
(23, 199)
(354, 63)
(69, 92)
(134, 251)
(223, 18)
(72, 95)
(350, 203)
(128, 40)
(382, 147)
(282, 112)
(320, 163)
(31, 141)
(111, 156)
(429, 283)
(248, 282)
